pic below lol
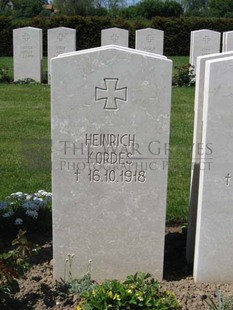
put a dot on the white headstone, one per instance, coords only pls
(110, 129)
(150, 40)
(198, 149)
(27, 44)
(60, 40)
(115, 36)
(227, 41)
(203, 42)
(214, 232)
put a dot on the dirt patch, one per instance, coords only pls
(38, 289)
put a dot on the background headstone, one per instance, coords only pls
(115, 36)
(227, 41)
(60, 40)
(203, 42)
(110, 129)
(150, 40)
(27, 45)
(198, 149)
(214, 233)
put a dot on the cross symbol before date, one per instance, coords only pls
(26, 37)
(228, 177)
(111, 94)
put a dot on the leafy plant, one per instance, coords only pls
(138, 291)
(221, 305)
(4, 76)
(25, 81)
(13, 264)
(185, 76)
(76, 286)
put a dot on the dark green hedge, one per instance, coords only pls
(176, 30)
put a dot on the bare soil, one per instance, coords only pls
(39, 291)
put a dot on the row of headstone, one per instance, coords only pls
(205, 42)
(28, 53)
(110, 121)
(147, 40)
(210, 231)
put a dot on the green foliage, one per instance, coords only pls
(185, 76)
(221, 304)
(26, 8)
(150, 8)
(25, 81)
(221, 8)
(138, 291)
(76, 286)
(4, 76)
(14, 264)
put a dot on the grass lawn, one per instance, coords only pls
(25, 141)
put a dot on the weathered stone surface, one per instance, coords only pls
(203, 42)
(214, 232)
(115, 36)
(110, 132)
(227, 41)
(198, 149)
(60, 40)
(27, 45)
(150, 40)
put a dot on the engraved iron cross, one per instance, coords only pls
(111, 94)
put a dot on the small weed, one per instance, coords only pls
(221, 304)
(4, 76)
(76, 286)
(13, 264)
(185, 76)
(26, 81)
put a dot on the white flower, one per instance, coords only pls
(8, 214)
(39, 201)
(49, 196)
(19, 195)
(18, 221)
(28, 197)
(32, 213)
(42, 192)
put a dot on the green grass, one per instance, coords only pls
(7, 62)
(25, 138)
(25, 141)
(180, 153)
